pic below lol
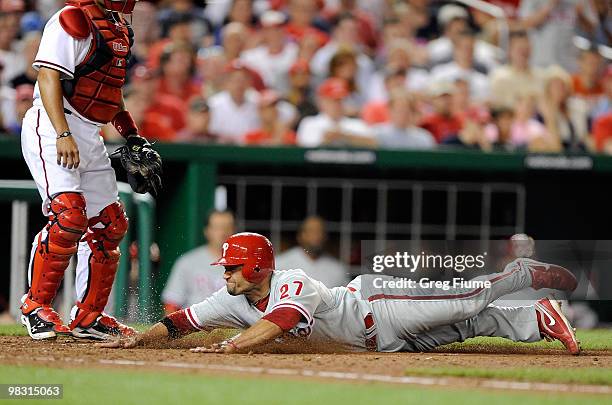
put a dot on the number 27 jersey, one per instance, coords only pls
(334, 315)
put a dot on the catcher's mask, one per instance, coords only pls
(253, 251)
(124, 7)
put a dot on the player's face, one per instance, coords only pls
(235, 282)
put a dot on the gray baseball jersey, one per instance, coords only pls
(367, 315)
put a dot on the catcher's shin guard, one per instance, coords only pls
(52, 251)
(103, 262)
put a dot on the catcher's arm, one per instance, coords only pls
(141, 162)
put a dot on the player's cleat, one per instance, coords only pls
(546, 275)
(554, 325)
(42, 322)
(104, 327)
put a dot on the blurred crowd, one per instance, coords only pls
(396, 74)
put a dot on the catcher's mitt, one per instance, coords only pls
(142, 164)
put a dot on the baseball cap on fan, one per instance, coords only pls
(333, 88)
(451, 12)
(272, 18)
(299, 66)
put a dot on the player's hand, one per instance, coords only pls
(67, 152)
(222, 348)
(124, 343)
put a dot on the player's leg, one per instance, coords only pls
(98, 254)
(519, 324)
(53, 246)
(515, 323)
(417, 310)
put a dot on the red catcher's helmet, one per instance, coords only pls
(252, 250)
(120, 6)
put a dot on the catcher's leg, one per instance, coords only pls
(51, 253)
(98, 261)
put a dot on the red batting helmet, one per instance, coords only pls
(120, 6)
(252, 250)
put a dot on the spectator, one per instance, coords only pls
(462, 66)
(192, 278)
(233, 112)
(178, 73)
(398, 60)
(200, 27)
(210, 64)
(158, 118)
(31, 42)
(586, 82)
(499, 131)
(179, 31)
(602, 134)
(402, 132)
(377, 111)
(454, 22)
(241, 12)
(565, 116)
(273, 130)
(23, 102)
(517, 78)
(528, 131)
(300, 93)
(234, 36)
(464, 107)
(343, 65)
(442, 123)
(470, 137)
(10, 55)
(595, 21)
(7, 102)
(345, 36)
(146, 32)
(604, 104)
(367, 32)
(550, 24)
(273, 59)
(303, 23)
(197, 123)
(331, 126)
(412, 18)
(310, 255)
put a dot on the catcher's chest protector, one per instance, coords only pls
(95, 91)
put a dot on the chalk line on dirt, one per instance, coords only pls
(338, 375)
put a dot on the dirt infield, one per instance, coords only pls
(384, 367)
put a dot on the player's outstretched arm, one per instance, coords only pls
(263, 331)
(156, 334)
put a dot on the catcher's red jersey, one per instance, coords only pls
(95, 90)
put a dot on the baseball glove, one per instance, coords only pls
(142, 164)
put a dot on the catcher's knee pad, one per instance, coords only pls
(55, 246)
(103, 237)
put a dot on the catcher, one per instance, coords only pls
(271, 304)
(82, 62)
